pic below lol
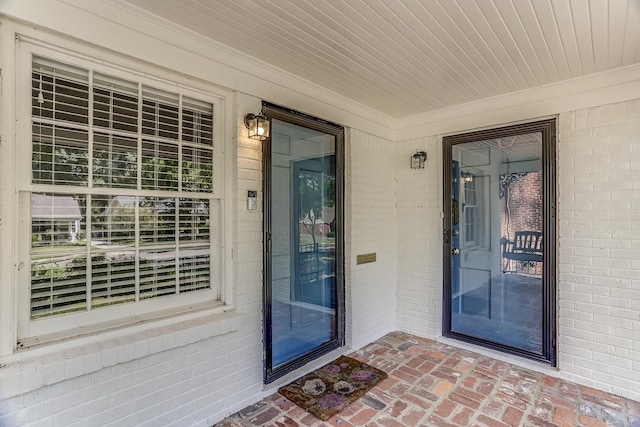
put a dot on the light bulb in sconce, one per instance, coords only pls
(258, 126)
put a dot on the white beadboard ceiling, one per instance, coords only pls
(406, 57)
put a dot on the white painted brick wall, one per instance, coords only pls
(370, 227)
(419, 271)
(599, 247)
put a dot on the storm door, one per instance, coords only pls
(304, 297)
(499, 239)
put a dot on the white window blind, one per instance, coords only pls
(122, 202)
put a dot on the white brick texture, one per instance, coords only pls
(599, 247)
(419, 271)
(370, 228)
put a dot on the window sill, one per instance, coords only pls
(43, 365)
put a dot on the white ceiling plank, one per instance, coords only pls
(564, 23)
(406, 57)
(513, 21)
(409, 29)
(496, 21)
(599, 14)
(529, 20)
(277, 44)
(631, 48)
(582, 25)
(418, 75)
(617, 26)
(445, 36)
(481, 51)
(472, 14)
(400, 88)
(360, 50)
(546, 20)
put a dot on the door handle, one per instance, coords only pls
(455, 251)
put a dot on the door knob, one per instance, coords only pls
(455, 251)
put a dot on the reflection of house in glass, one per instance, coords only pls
(55, 217)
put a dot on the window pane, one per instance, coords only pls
(197, 169)
(194, 269)
(133, 252)
(59, 155)
(194, 220)
(59, 91)
(160, 113)
(113, 278)
(115, 104)
(115, 161)
(157, 273)
(58, 284)
(197, 122)
(57, 221)
(159, 166)
(157, 221)
(113, 220)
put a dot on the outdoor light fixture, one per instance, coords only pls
(258, 126)
(418, 160)
(467, 177)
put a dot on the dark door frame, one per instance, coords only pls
(548, 130)
(272, 111)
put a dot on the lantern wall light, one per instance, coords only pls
(418, 160)
(258, 126)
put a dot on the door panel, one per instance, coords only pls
(304, 308)
(500, 239)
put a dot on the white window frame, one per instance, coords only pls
(67, 325)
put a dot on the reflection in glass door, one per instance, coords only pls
(303, 231)
(499, 239)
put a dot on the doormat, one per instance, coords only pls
(328, 390)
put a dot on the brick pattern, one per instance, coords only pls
(432, 384)
(370, 226)
(419, 271)
(599, 247)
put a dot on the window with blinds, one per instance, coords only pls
(122, 191)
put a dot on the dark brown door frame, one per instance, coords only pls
(549, 328)
(290, 116)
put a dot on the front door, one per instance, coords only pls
(304, 297)
(500, 239)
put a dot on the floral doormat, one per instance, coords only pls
(328, 390)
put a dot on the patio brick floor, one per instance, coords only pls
(433, 384)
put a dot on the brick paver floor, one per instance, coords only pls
(432, 384)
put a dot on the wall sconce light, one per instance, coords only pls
(418, 160)
(258, 126)
(467, 177)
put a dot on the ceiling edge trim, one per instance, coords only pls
(618, 85)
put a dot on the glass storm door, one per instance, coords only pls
(499, 239)
(303, 235)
